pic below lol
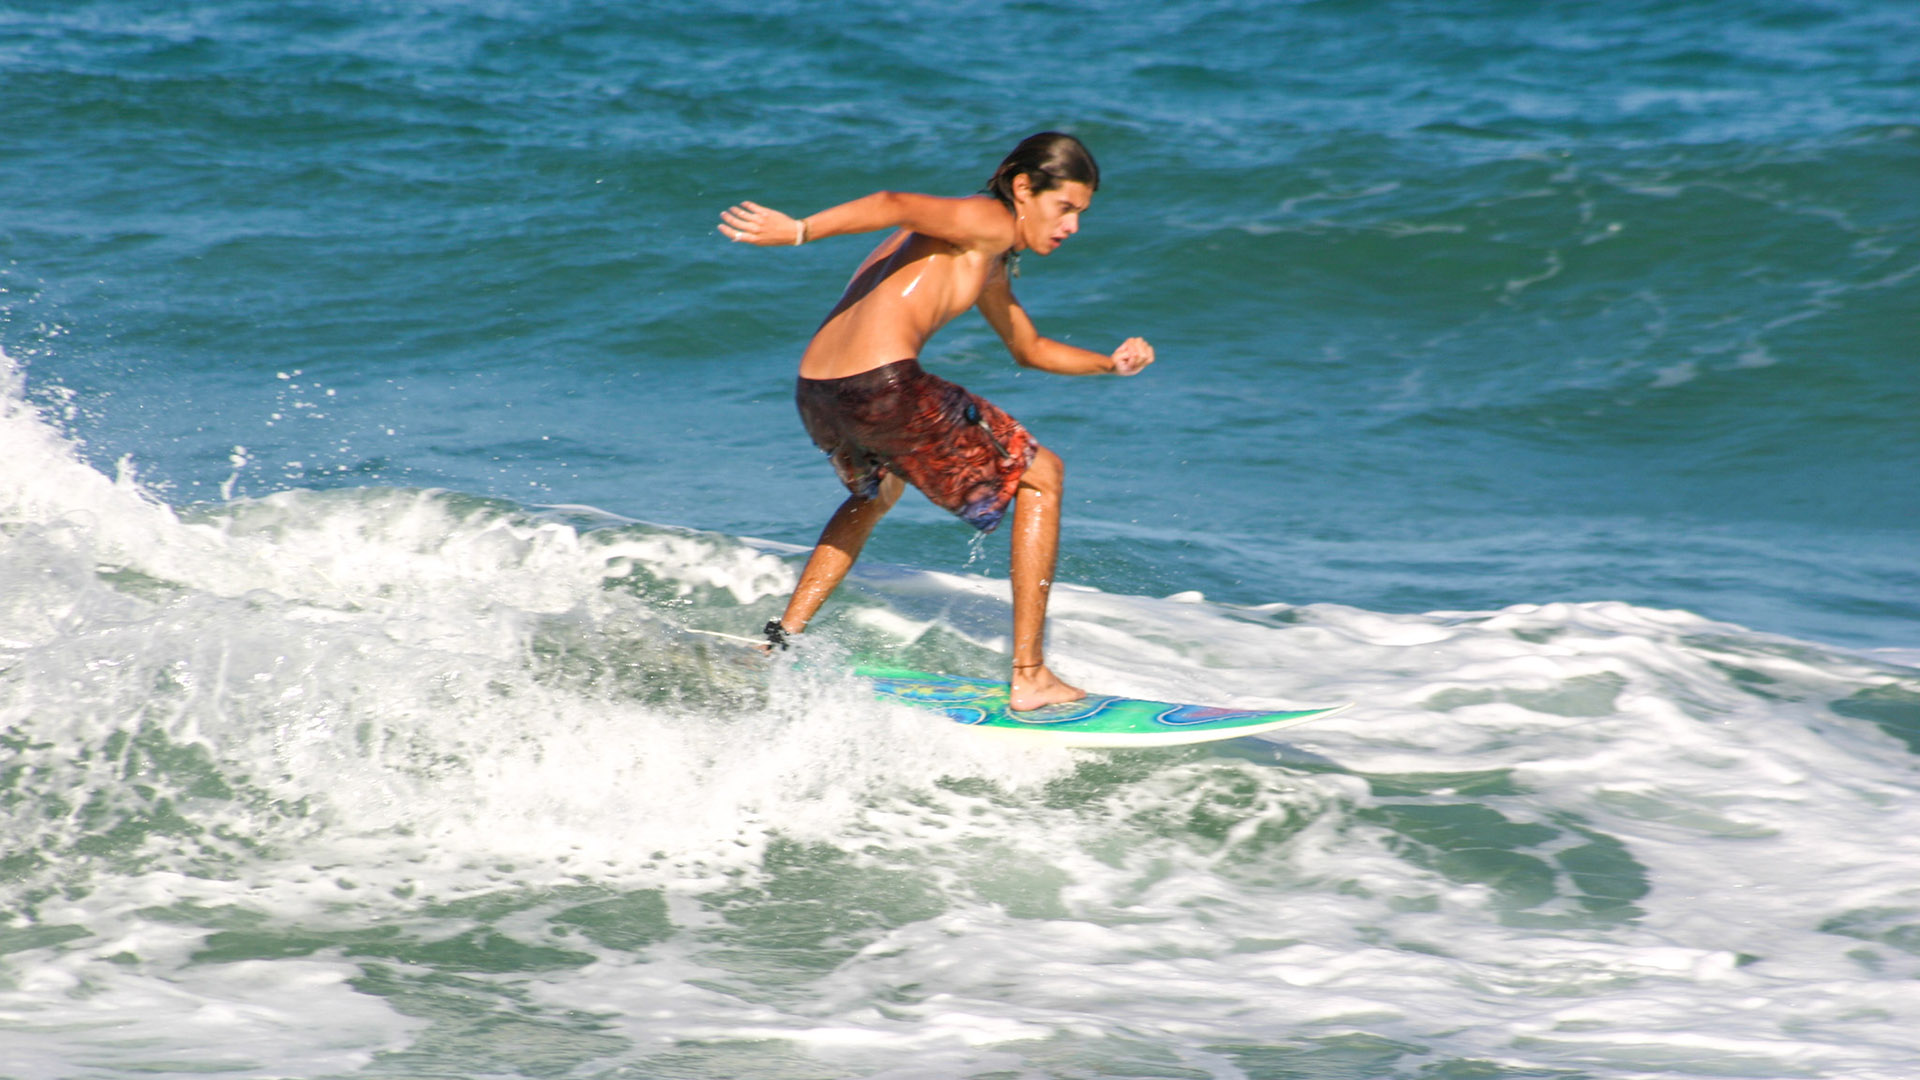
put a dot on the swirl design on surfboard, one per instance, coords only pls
(979, 701)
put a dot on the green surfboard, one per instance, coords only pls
(1098, 720)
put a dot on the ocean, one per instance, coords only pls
(383, 422)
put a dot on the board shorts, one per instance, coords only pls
(961, 451)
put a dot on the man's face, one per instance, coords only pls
(1049, 217)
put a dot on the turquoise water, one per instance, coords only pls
(380, 412)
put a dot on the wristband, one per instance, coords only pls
(801, 236)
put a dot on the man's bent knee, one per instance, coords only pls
(885, 494)
(1046, 473)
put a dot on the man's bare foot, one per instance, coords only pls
(1034, 686)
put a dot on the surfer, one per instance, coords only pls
(885, 422)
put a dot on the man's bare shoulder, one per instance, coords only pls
(970, 222)
(996, 222)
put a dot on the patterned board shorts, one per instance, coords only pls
(961, 451)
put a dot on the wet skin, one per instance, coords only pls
(946, 256)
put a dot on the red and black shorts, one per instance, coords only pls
(961, 451)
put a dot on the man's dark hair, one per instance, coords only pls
(1047, 160)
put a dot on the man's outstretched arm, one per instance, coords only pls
(1032, 349)
(972, 222)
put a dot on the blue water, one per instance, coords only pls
(381, 408)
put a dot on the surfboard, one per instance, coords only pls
(1098, 720)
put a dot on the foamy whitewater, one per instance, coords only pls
(402, 782)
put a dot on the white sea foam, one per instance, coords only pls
(1596, 837)
(132, 1003)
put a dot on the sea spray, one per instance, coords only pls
(367, 740)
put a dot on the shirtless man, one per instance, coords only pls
(866, 402)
